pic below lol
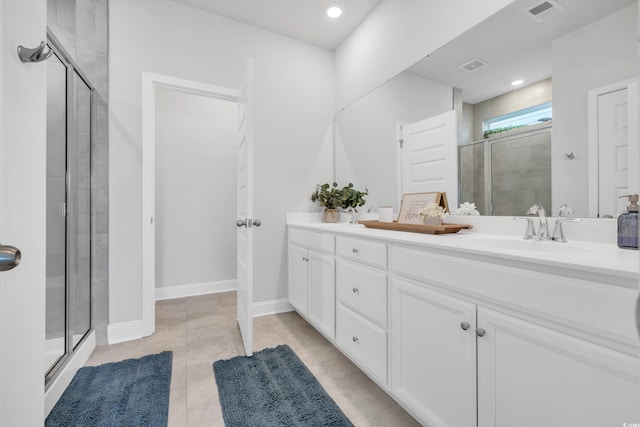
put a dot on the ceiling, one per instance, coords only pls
(514, 45)
(303, 20)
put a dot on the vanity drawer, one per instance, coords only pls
(366, 251)
(363, 340)
(362, 289)
(319, 242)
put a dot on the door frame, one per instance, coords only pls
(150, 82)
(593, 143)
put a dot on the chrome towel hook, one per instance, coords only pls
(36, 54)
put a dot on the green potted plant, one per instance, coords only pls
(331, 197)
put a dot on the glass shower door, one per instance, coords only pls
(55, 334)
(68, 284)
(79, 214)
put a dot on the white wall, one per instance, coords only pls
(195, 189)
(293, 126)
(397, 34)
(596, 55)
(369, 127)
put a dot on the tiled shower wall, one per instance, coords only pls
(81, 27)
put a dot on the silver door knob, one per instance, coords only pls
(257, 222)
(10, 257)
(241, 223)
(465, 325)
(480, 332)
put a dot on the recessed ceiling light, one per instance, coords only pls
(334, 11)
(517, 82)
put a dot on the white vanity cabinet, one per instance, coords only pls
(433, 355)
(476, 338)
(537, 347)
(311, 278)
(361, 305)
(530, 375)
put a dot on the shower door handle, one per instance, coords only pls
(9, 257)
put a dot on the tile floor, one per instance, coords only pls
(200, 330)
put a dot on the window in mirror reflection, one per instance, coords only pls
(526, 117)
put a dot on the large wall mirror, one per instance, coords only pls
(578, 62)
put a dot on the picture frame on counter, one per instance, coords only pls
(412, 203)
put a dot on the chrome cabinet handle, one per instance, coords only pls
(304, 258)
(257, 223)
(480, 332)
(354, 250)
(465, 325)
(10, 257)
(355, 290)
(355, 339)
(241, 223)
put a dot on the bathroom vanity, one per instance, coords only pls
(476, 329)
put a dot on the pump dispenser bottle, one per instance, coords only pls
(628, 224)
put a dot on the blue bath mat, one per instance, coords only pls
(132, 393)
(273, 388)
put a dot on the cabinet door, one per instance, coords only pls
(433, 355)
(322, 292)
(297, 280)
(533, 376)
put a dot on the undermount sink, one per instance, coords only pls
(538, 246)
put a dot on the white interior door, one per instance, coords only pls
(613, 155)
(23, 91)
(430, 157)
(245, 211)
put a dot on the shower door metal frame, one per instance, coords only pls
(72, 70)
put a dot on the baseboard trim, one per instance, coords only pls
(61, 382)
(194, 289)
(265, 308)
(125, 331)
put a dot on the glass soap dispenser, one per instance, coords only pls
(628, 224)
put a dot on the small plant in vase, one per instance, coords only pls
(331, 197)
(433, 214)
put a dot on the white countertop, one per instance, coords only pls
(583, 258)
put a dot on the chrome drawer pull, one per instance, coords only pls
(355, 290)
(480, 332)
(465, 325)
(354, 250)
(355, 339)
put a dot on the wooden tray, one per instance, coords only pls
(416, 228)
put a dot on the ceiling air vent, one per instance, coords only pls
(473, 65)
(544, 10)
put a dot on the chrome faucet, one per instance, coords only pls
(353, 215)
(543, 228)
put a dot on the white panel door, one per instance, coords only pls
(23, 91)
(613, 155)
(245, 211)
(430, 156)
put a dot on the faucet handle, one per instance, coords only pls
(565, 211)
(558, 231)
(531, 228)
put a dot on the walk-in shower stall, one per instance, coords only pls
(69, 135)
